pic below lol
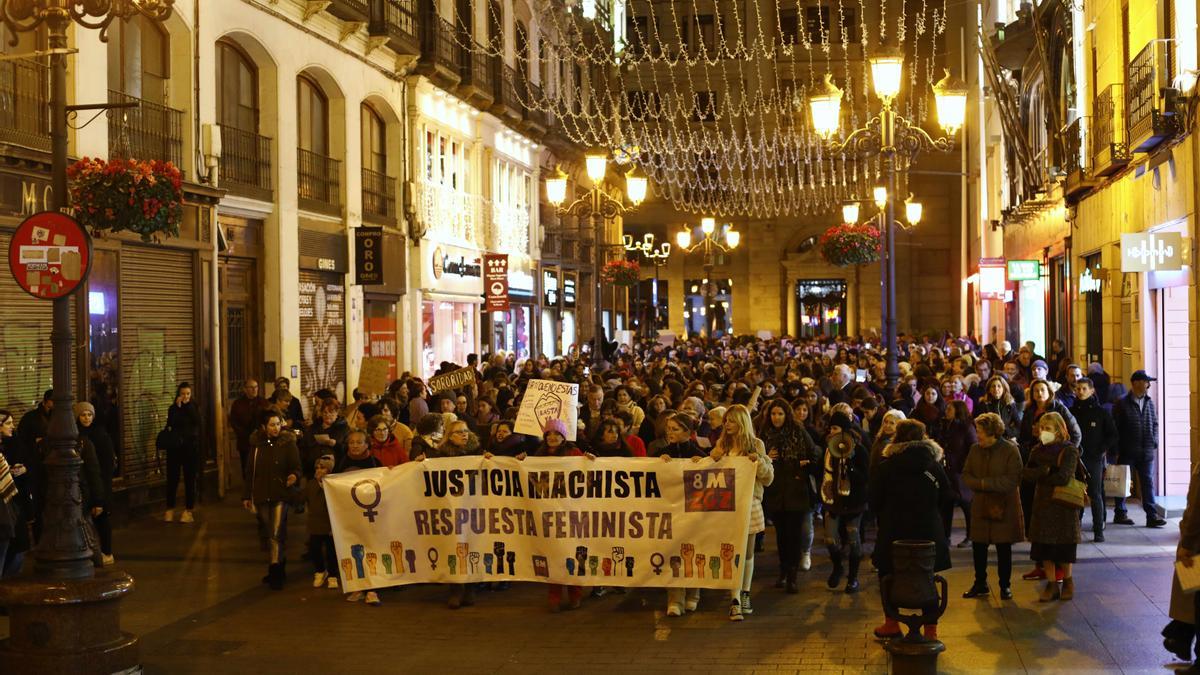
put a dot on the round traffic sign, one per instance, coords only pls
(50, 255)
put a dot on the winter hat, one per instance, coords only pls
(82, 407)
(555, 424)
(841, 420)
(1040, 364)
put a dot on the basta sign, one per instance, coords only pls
(50, 255)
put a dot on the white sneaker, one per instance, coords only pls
(187, 517)
(735, 611)
(806, 561)
(332, 583)
(373, 599)
(691, 604)
(674, 610)
(355, 596)
(107, 560)
(168, 515)
(319, 579)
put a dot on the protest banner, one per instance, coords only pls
(452, 380)
(545, 400)
(561, 520)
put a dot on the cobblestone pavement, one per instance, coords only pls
(199, 608)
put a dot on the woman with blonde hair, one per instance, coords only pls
(738, 440)
(1054, 527)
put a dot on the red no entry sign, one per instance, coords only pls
(50, 255)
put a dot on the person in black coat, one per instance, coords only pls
(844, 495)
(999, 399)
(956, 435)
(98, 471)
(183, 418)
(1137, 423)
(1099, 442)
(907, 490)
(325, 436)
(792, 496)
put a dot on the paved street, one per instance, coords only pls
(199, 608)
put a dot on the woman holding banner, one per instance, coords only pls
(555, 444)
(738, 440)
(678, 443)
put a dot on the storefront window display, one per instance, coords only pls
(447, 330)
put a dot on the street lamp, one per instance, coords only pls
(65, 616)
(710, 246)
(598, 205)
(657, 255)
(889, 135)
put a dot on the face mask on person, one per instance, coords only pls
(1046, 437)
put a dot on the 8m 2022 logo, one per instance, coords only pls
(709, 490)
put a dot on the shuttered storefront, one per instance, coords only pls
(322, 335)
(25, 353)
(158, 343)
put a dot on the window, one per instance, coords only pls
(374, 141)
(237, 93)
(637, 33)
(139, 59)
(789, 26)
(706, 32)
(312, 114)
(641, 104)
(851, 32)
(704, 106)
(816, 24)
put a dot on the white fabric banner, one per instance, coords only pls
(565, 520)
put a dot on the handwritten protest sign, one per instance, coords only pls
(562, 520)
(452, 380)
(545, 400)
(373, 376)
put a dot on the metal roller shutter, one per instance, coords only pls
(26, 359)
(157, 348)
(322, 335)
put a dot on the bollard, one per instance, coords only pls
(912, 585)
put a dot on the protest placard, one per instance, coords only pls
(373, 376)
(638, 522)
(545, 400)
(452, 380)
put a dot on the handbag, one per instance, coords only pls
(1116, 480)
(1074, 494)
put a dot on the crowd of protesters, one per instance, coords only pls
(980, 429)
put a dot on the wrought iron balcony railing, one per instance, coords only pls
(378, 195)
(319, 180)
(24, 104)
(149, 131)
(246, 162)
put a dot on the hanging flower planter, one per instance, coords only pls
(621, 273)
(850, 244)
(142, 196)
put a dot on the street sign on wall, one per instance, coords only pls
(1024, 270)
(50, 255)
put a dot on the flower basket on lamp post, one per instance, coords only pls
(621, 273)
(141, 196)
(850, 244)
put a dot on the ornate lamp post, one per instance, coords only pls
(657, 255)
(912, 211)
(600, 207)
(891, 136)
(65, 617)
(710, 246)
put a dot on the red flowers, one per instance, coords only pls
(142, 196)
(850, 244)
(621, 272)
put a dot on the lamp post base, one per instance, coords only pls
(913, 657)
(67, 626)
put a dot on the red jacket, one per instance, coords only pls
(636, 445)
(390, 452)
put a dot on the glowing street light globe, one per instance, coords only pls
(826, 106)
(887, 73)
(950, 94)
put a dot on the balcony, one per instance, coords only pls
(1078, 170)
(319, 179)
(1149, 123)
(454, 216)
(24, 104)
(439, 58)
(378, 197)
(149, 131)
(246, 163)
(504, 90)
(1110, 146)
(476, 85)
(508, 229)
(350, 10)
(536, 120)
(395, 22)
